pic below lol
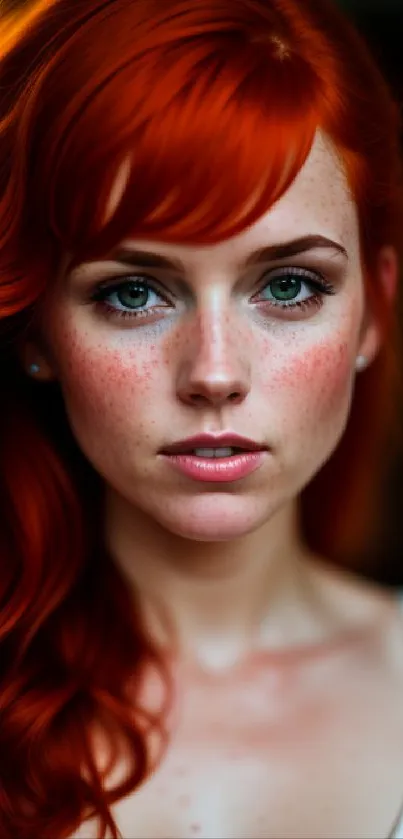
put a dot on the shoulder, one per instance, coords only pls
(357, 603)
(352, 590)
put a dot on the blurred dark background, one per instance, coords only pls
(381, 23)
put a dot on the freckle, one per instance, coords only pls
(184, 801)
(180, 772)
(195, 827)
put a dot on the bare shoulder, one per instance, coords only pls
(361, 604)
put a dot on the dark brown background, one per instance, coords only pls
(381, 22)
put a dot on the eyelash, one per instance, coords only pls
(317, 282)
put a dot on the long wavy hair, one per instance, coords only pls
(214, 104)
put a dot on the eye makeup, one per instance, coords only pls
(141, 287)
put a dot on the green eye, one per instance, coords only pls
(285, 288)
(136, 298)
(136, 294)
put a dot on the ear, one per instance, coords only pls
(387, 274)
(32, 351)
(34, 347)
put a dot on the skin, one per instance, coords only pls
(258, 624)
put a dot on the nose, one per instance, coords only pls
(213, 369)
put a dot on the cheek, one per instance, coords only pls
(315, 384)
(108, 385)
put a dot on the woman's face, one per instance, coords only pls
(214, 344)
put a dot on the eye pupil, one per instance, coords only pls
(136, 293)
(286, 287)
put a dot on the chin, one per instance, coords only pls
(214, 519)
(210, 534)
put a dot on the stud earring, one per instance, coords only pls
(361, 363)
(34, 368)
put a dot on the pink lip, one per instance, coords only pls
(214, 441)
(218, 469)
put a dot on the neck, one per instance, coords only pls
(215, 602)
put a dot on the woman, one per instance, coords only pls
(200, 219)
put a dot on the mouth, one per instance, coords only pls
(212, 454)
(216, 459)
(214, 446)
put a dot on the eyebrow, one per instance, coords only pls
(271, 253)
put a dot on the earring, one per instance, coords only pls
(34, 368)
(361, 363)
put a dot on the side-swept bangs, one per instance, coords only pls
(210, 126)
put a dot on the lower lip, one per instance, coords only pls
(217, 469)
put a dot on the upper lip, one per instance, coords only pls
(213, 441)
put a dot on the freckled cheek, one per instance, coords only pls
(110, 381)
(316, 382)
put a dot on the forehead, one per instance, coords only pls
(320, 194)
(318, 202)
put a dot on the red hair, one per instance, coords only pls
(214, 104)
